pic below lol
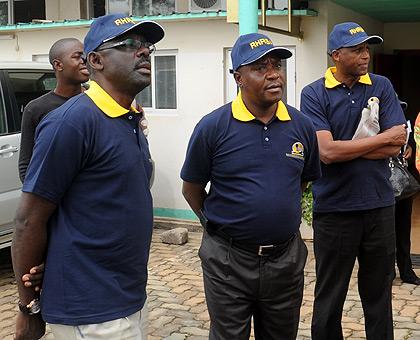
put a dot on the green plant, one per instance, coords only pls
(307, 200)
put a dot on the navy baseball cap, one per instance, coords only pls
(349, 34)
(110, 26)
(251, 47)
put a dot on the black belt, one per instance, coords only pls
(261, 250)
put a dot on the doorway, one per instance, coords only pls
(403, 68)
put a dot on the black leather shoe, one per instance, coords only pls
(412, 280)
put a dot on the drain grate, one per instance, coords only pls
(415, 259)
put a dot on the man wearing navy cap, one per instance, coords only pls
(86, 208)
(257, 153)
(353, 201)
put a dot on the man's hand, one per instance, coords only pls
(29, 327)
(34, 277)
(408, 152)
(144, 125)
(397, 135)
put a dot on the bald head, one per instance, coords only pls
(60, 48)
(66, 58)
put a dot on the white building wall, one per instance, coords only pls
(26, 44)
(200, 80)
(312, 58)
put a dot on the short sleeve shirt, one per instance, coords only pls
(255, 170)
(91, 160)
(359, 184)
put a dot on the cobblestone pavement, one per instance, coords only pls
(177, 307)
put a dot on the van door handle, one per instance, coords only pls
(11, 149)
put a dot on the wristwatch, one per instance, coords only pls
(32, 308)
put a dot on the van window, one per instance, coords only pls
(3, 122)
(30, 85)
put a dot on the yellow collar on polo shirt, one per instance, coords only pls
(240, 112)
(331, 82)
(105, 102)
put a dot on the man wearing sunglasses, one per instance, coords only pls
(86, 207)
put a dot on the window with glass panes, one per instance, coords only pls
(141, 7)
(21, 11)
(4, 12)
(162, 92)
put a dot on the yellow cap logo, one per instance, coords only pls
(122, 21)
(260, 42)
(356, 30)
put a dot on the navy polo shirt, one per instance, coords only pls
(91, 161)
(255, 170)
(359, 184)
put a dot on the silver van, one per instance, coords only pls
(19, 84)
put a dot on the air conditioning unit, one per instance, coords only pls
(207, 5)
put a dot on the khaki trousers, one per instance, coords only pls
(132, 327)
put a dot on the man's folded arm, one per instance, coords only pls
(333, 151)
(384, 152)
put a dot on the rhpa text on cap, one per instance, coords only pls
(110, 26)
(349, 34)
(251, 47)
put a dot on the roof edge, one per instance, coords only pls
(45, 24)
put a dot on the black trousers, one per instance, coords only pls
(240, 285)
(340, 238)
(403, 211)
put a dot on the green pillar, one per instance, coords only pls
(248, 16)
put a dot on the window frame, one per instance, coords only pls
(153, 110)
(13, 112)
(10, 12)
(3, 110)
(9, 104)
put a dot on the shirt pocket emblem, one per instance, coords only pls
(297, 151)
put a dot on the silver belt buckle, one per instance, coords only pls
(260, 249)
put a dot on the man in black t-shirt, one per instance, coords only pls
(66, 58)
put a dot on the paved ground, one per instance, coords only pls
(177, 308)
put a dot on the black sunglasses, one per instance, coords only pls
(132, 44)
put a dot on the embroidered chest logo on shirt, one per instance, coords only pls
(297, 151)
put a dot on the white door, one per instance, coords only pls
(9, 179)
